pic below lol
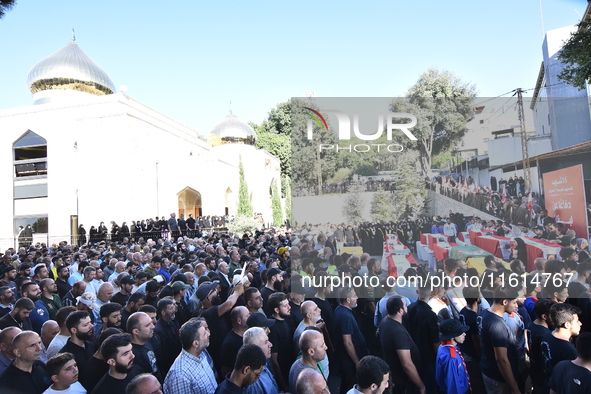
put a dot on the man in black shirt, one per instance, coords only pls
(574, 376)
(537, 330)
(123, 294)
(499, 351)
(213, 312)
(424, 330)
(471, 346)
(167, 330)
(274, 279)
(141, 328)
(400, 351)
(79, 343)
(26, 374)
(281, 336)
(19, 316)
(135, 302)
(556, 345)
(63, 273)
(233, 341)
(117, 352)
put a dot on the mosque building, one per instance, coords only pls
(83, 153)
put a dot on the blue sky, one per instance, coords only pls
(188, 59)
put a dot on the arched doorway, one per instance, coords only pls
(190, 202)
(229, 201)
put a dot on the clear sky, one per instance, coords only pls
(189, 59)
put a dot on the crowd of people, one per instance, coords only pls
(258, 313)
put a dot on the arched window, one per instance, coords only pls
(30, 156)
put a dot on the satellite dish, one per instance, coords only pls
(123, 88)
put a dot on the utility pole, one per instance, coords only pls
(524, 147)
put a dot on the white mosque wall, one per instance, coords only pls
(113, 158)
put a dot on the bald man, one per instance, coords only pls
(311, 382)
(6, 354)
(144, 384)
(26, 374)
(49, 330)
(313, 350)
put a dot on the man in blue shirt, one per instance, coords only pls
(351, 346)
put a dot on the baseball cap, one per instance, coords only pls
(259, 319)
(272, 272)
(128, 280)
(178, 286)
(345, 268)
(282, 250)
(206, 288)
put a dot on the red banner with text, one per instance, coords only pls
(564, 193)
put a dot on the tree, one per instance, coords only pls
(409, 194)
(354, 204)
(382, 207)
(576, 57)
(288, 211)
(276, 206)
(309, 165)
(244, 198)
(442, 104)
(5, 6)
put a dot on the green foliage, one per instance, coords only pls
(310, 166)
(410, 193)
(243, 224)
(365, 170)
(341, 175)
(440, 159)
(276, 206)
(274, 135)
(576, 57)
(286, 184)
(244, 198)
(442, 104)
(354, 204)
(382, 207)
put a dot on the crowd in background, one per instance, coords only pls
(225, 313)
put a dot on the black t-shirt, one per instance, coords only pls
(119, 298)
(554, 351)
(281, 336)
(347, 325)
(265, 293)
(536, 335)
(495, 333)
(81, 355)
(145, 361)
(569, 378)
(423, 328)
(110, 385)
(468, 318)
(95, 370)
(575, 289)
(218, 328)
(393, 337)
(62, 288)
(296, 314)
(17, 381)
(230, 348)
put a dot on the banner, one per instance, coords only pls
(564, 193)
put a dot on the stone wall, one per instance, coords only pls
(440, 205)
